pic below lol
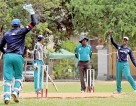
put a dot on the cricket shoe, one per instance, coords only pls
(6, 100)
(82, 91)
(15, 97)
(117, 92)
(38, 92)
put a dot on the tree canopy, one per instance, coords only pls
(97, 17)
(63, 18)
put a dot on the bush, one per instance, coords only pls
(61, 70)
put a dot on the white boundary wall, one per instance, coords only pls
(102, 63)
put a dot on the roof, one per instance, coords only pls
(62, 54)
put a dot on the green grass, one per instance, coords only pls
(126, 99)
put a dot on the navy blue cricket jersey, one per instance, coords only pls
(123, 53)
(15, 38)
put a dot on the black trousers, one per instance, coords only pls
(83, 66)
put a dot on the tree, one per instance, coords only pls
(97, 17)
(69, 45)
(13, 9)
(63, 18)
(3, 14)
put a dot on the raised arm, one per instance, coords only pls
(32, 15)
(33, 21)
(112, 41)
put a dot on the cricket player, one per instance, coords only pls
(13, 60)
(38, 62)
(83, 53)
(122, 64)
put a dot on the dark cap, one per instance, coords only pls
(40, 37)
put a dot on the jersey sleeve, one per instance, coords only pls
(36, 50)
(30, 26)
(132, 57)
(112, 41)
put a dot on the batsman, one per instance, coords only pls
(38, 62)
(13, 60)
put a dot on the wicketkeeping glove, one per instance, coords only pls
(29, 8)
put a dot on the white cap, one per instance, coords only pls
(125, 37)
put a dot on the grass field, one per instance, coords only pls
(128, 98)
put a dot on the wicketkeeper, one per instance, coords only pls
(38, 62)
(13, 60)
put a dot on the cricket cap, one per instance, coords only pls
(125, 38)
(15, 22)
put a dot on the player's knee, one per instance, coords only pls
(128, 77)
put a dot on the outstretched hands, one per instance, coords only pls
(29, 8)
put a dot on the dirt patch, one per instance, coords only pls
(70, 95)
